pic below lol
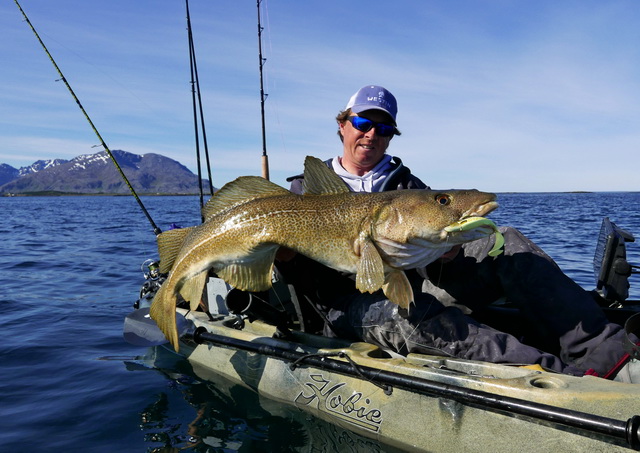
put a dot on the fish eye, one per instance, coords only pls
(443, 199)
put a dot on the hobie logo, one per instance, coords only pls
(339, 401)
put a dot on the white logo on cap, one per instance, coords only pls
(380, 99)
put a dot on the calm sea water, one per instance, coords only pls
(70, 272)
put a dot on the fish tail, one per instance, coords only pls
(163, 312)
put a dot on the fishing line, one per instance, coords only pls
(156, 230)
(101, 70)
(431, 302)
(275, 109)
(407, 339)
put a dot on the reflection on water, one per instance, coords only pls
(229, 417)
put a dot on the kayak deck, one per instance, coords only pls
(414, 414)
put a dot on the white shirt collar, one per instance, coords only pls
(370, 181)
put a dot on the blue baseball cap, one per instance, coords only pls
(374, 97)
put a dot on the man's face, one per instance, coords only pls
(363, 150)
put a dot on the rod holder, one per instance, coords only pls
(244, 303)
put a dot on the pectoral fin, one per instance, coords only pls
(253, 273)
(370, 272)
(193, 288)
(397, 288)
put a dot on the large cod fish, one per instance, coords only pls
(372, 235)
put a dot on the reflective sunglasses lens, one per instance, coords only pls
(362, 124)
(384, 130)
(365, 125)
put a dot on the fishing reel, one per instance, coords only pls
(153, 268)
(153, 281)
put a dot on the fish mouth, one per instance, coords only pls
(481, 210)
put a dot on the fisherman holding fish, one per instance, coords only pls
(463, 280)
(399, 268)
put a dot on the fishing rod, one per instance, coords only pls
(197, 111)
(156, 230)
(263, 97)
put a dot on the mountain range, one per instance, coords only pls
(96, 174)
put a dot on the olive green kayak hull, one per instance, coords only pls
(350, 395)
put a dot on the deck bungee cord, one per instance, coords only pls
(156, 230)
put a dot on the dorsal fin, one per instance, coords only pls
(320, 179)
(239, 191)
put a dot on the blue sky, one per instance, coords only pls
(496, 95)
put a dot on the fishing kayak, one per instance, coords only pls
(416, 402)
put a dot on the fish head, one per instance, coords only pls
(427, 213)
(415, 227)
(463, 213)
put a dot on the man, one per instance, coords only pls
(463, 280)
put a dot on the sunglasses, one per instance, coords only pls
(365, 125)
